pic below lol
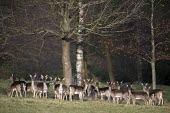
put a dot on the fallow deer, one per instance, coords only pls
(55, 87)
(45, 87)
(16, 81)
(102, 91)
(137, 95)
(36, 86)
(62, 89)
(74, 89)
(91, 91)
(118, 94)
(157, 92)
(17, 88)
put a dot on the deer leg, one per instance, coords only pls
(162, 101)
(70, 97)
(95, 96)
(20, 93)
(36, 94)
(46, 95)
(33, 93)
(101, 97)
(128, 100)
(118, 100)
(40, 94)
(16, 93)
(12, 93)
(43, 95)
(134, 101)
(113, 99)
(81, 97)
(25, 93)
(109, 98)
(55, 96)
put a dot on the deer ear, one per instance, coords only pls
(146, 84)
(142, 84)
(63, 78)
(149, 87)
(46, 76)
(31, 76)
(84, 80)
(51, 78)
(59, 78)
(12, 75)
(131, 86)
(55, 78)
(121, 82)
(42, 77)
(35, 76)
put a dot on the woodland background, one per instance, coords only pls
(26, 49)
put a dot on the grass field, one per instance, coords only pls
(32, 105)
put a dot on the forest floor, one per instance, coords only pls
(50, 105)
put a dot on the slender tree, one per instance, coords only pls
(79, 62)
(153, 46)
(154, 41)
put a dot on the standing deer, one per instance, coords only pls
(118, 94)
(55, 87)
(16, 81)
(91, 91)
(137, 95)
(45, 87)
(62, 89)
(36, 86)
(17, 88)
(102, 91)
(73, 90)
(157, 93)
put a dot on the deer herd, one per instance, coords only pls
(114, 91)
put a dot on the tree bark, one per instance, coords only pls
(79, 63)
(153, 47)
(67, 69)
(65, 26)
(109, 65)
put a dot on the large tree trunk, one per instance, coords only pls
(109, 65)
(65, 26)
(67, 70)
(79, 63)
(153, 48)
